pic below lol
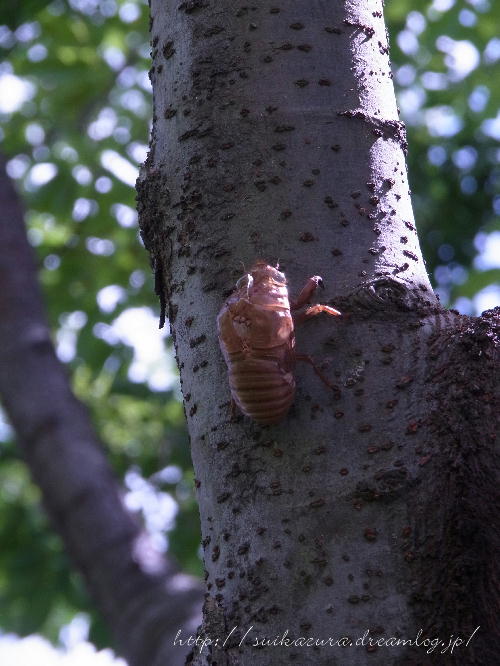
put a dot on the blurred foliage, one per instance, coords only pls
(75, 124)
(446, 61)
(75, 145)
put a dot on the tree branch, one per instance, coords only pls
(143, 596)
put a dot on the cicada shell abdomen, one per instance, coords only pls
(261, 389)
(256, 337)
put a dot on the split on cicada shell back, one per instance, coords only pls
(245, 281)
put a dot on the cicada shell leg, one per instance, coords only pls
(308, 359)
(307, 291)
(313, 311)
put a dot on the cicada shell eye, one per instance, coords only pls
(245, 281)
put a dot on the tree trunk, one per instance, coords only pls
(142, 595)
(276, 136)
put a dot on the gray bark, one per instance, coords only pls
(142, 595)
(276, 136)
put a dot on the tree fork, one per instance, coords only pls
(276, 136)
